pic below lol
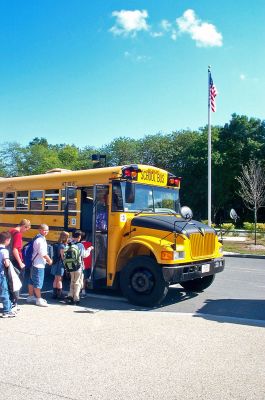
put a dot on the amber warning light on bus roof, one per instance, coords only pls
(174, 181)
(130, 172)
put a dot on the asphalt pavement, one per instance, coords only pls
(119, 351)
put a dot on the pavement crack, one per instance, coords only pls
(37, 390)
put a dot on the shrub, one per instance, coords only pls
(261, 227)
(228, 226)
(249, 226)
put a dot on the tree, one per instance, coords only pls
(252, 188)
(120, 151)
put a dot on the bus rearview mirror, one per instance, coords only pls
(129, 192)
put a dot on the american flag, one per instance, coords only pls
(212, 93)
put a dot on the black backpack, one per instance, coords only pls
(56, 256)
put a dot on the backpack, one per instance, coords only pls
(56, 256)
(27, 252)
(72, 257)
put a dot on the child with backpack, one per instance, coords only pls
(15, 255)
(74, 254)
(38, 261)
(5, 238)
(57, 269)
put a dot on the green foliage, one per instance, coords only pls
(261, 227)
(184, 153)
(228, 226)
(250, 226)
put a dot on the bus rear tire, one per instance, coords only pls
(198, 285)
(142, 282)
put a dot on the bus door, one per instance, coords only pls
(86, 215)
(100, 236)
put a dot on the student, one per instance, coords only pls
(16, 251)
(77, 276)
(87, 266)
(58, 267)
(16, 257)
(39, 259)
(5, 238)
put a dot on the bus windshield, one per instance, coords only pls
(148, 198)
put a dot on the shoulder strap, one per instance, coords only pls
(33, 240)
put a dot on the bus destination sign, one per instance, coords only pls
(152, 176)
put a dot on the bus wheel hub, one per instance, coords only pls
(141, 282)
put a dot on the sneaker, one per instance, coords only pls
(31, 299)
(41, 302)
(15, 308)
(10, 314)
(77, 302)
(69, 299)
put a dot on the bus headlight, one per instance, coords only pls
(172, 255)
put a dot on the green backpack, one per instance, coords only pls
(72, 257)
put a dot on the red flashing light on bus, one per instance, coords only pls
(173, 181)
(130, 172)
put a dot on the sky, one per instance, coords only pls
(85, 72)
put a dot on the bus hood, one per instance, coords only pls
(171, 223)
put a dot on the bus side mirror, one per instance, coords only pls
(129, 192)
(186, 213)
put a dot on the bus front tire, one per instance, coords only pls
(142, 282)
(198, 285)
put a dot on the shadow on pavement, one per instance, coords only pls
(240, 311)
(109, 299)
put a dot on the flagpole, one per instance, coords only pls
(209, 152)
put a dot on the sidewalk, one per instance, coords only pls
(70, 352)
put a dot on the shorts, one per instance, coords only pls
(36, 277)
(57, 269)
(87, 273)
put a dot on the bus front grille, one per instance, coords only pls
(202, 245)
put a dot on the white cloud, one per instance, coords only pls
(129, 22)
(174, 34)
(136, 58)
(204, 34)
(242, 77)
(156, 34)
(166, 25)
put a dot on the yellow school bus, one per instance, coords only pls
(143, 240)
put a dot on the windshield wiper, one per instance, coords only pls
(144, 210)
(165, 211)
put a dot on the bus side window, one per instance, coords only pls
(10, 200)
(36, 198)
(117, 202)
(22, 200)
(72, 199)
(52, 199)
(1, 200)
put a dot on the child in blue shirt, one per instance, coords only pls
(5, 238)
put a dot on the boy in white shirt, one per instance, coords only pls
(39, 259)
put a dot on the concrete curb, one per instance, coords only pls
(258, 257)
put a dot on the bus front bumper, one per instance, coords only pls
(187, 272)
